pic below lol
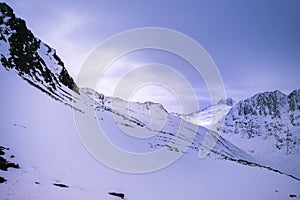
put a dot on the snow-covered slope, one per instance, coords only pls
(204, 117)
(152, 119)
(267, 126)
(32, 59)
(48, 150)
(40, 136)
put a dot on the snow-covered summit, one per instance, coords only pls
(265, 114)
(267, 103)
(267, 125)
(205, 116)
(136, 110)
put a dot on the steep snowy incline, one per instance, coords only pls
(32, 59)
(267, 126)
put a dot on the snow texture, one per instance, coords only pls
(38, 132)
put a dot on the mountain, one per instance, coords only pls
(204, 117)
(267, 125)
(38, 64)
(153, 119)
(46, 151)
(33, 60)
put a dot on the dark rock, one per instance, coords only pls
(60, 185)
(121, 195)
(228, 101)
(25, 57)
(294, 100)
(2, 180)
(5, 164)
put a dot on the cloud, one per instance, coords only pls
(131, 79)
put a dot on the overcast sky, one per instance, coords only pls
(255, 44)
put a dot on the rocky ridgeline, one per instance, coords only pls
(32, 59)
(268, 115)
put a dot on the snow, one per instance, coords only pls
(44, 138)
(49, 151)
(4, 46)
(260, 135)
(50, 62)
(205, 116)
(268, 140)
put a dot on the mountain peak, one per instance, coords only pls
(266, 103)
(268, 115)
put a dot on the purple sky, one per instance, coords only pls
(255, 44)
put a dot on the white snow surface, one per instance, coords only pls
(41, 134)
(204, 117)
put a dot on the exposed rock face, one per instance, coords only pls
(32, 59)
(268, 115)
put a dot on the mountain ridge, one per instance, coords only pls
(31, 58)
(39, 65)
(267, 125)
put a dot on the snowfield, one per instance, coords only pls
(41, 134)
